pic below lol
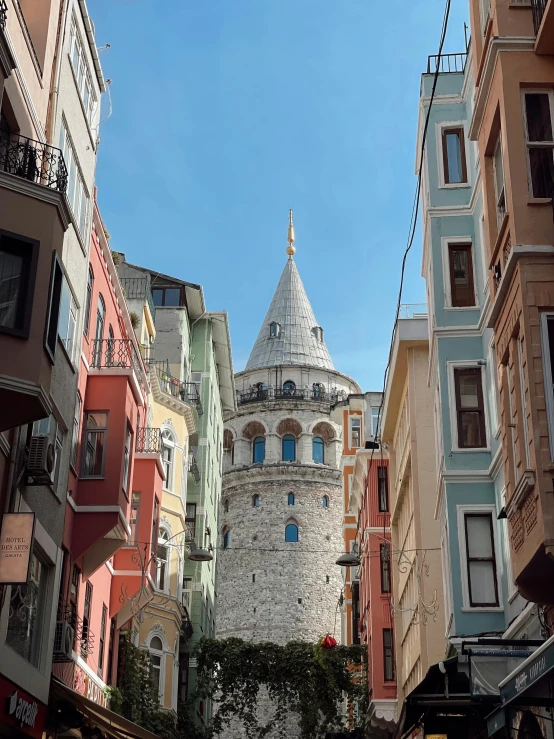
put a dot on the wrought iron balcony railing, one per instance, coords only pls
(193, 467)
(138, 288)
(446, 63)
(317, 393)
(3, 14)
(190, 531)
(187, 392)
(537, 8)
(117, 353)
(32, 160)
(148, 441)
(83, 639)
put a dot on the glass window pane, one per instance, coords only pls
(158, 297)
(479, 542)
(97, 420)
(454, 156)
(291, 532)
(94, 454)
(11, 282)
(318, 448)
(259, 450)
(481, 577)
(65, 307)
(25, 613)
(542, 171)
(172, 296)
(289, 448)
(471, 429)
(498, 170)
(539, 125)
(468, 385)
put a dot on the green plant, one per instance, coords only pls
(116, 256)
(299, 677)
(135, 320)
(114, 697)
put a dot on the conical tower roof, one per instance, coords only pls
(290, 334)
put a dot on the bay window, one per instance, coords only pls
(470, 409)
(540, 142)
(482, 580)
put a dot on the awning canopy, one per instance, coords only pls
(111, 723)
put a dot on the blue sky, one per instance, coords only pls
(226, 113)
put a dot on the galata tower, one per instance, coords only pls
(282, 503)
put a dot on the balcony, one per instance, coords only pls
(33, 161)
(83, 639)
(190, 531)
(279, 393)
(179, 396)
(193, 468)
(446, 63)
(138, 288)
(543, 23)
(148, 441)
(120, 357)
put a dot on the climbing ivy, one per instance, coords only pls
(306, 679)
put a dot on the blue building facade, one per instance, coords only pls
(479, 594)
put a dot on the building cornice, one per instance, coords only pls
(282, 471)
(38, 192)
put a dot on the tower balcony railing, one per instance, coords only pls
(32, 160)
(280, 393)
(446, 63)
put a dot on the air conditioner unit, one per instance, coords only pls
(63, 639)
(42, 460)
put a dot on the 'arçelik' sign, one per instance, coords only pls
(16, 545)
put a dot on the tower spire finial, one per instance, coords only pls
(290, 238)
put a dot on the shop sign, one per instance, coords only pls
(86, 685)
(21, 710)
(436, 736)
(528, 675)
(16, 545)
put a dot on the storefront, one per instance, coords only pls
(21, 715)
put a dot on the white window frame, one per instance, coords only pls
(355, 417)
(446, 243)
(547, 373)
(164, 543)
(483, 251)
(446, 579)
(80, 201)
(484, 14)
(127, 454)
(494, 395)
(498, 196)
(536, 144)
(467, 364)
(74, 453)
(161, 654)
(67, 332)
(169, 443)
(440, 126)
(525, 419)
(82, 74)
(374, 414)
(462, 511)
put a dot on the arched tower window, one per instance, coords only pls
(289, 387)
(291, 499)
(318, 450)
(325, 502)
(258, 450)
(291, 532)
(255, 501)
(289, 448)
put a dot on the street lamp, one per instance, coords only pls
(348, 560)
(200, 555)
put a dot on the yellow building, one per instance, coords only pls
(408, 430)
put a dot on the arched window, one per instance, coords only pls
(289, 387)
(168, 453)
(289, 448)
(156, 656)
(325, 502)
(99, 333)
(226, 505)
(226, 539)
(162, 556)
(90, 285)
(291, 498)
(258, 450)
(318, 450)
(291, 532)
(255, 500)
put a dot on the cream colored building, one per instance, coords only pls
(408, 430)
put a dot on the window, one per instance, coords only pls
(274, 330)
(156, 655)
(190, 521)
(187, 593)
(86, 621)
(56, 283)
(81, 69)
(355, 433)
(258, 450)
(388, 655)
(167, 297)
(375, 421)
(255, 501)
(383, 489)
(226, 539)
(90, 285)
(485, 13)
(162, 555)
(110, 651)
(317, 331)
(76, 192)
(289, 388)
(102, 644)
(24, 634)
(499, 189)
(58, 457)
(460, 262)
(470, 410)
(325, 502)
(126, 458)
(481, 560)
(168, 451)
(384, 555)
(17, 277)
(291, 532)
(75, 433)
(134, 518)
(99, 332)
(547, 337)
(288, 448)
(291, 499)
(94, 453)
(318, 450)
(453, 156)
(540, 143)
(67, 318)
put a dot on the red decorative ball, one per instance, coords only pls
(328, 642)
